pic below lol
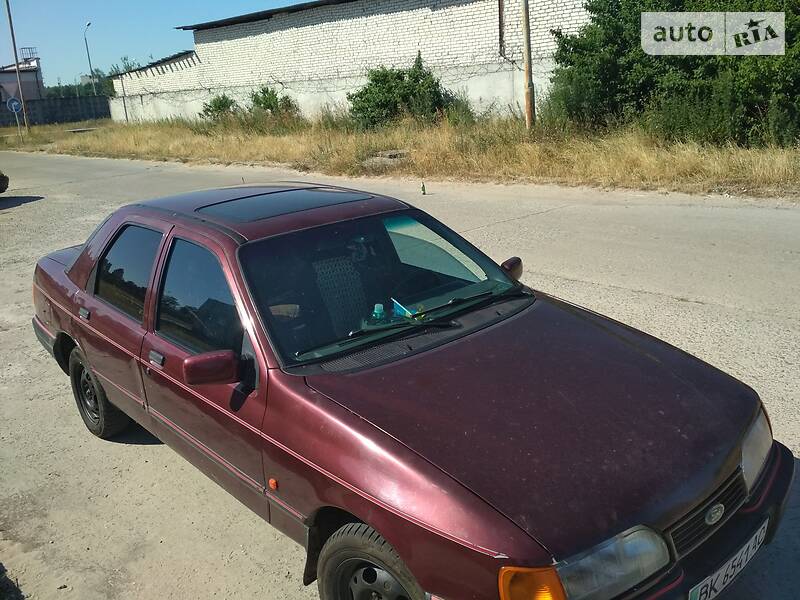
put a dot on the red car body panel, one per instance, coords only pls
(506, 412)
(554, 425)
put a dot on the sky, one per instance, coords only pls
(140, 29)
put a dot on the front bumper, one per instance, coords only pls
(768, 500)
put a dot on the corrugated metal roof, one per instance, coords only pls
(160, 61)
(262, 15)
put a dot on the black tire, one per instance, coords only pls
(101, 417)
(356, 563)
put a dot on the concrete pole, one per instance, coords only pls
(530, 97)
(16, 64)
(89, 57)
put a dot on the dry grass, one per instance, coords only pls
(499, 150)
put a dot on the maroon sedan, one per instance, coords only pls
(378, 389)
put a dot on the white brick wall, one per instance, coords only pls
(320, 54)
(174, 76)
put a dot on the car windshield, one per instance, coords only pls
(342, 286)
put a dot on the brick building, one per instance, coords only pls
(318, 51)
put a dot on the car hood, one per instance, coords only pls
(572, 425)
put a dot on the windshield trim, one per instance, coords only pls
(278, 356)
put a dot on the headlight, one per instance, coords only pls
(755, 450)
(614, 566)
(603, 572)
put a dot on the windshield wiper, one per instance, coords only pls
(514, 291)
(419, 320)
(400, 327)
(357, 333)
(454, 302)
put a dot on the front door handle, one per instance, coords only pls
(156, 358)
(84, 313)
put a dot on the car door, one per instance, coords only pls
(197, 310)
(111, 310)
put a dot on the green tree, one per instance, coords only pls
(125, 64)
(103, 84)
(603, 77)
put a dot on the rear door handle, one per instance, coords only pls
(84, 313)
(156, 358)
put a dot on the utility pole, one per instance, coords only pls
(89, 56)
(16, 65)
(530, 98)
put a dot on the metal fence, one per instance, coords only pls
(60, 110)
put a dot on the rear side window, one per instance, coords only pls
(196, 308)
(124, 270)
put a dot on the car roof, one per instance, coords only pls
(256, 211)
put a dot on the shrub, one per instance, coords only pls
(269, 100)
(458, 110)
(603, 77)
(219, 107)
(691, 109)
(392, 93)
(258, 121)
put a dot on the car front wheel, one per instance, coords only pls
(356, 563)
(101, 417)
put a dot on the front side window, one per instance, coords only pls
(196, 309)
(357, 280)
(123, 272)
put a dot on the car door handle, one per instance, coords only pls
(84, 313)
(156, 358)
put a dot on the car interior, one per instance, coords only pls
(319, 285)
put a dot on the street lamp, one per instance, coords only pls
(89, 57)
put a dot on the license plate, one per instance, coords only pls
(712, 585)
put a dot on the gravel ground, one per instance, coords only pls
(82, 518)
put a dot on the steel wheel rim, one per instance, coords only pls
(88, 395)
(363, 580)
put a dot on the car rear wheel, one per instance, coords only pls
(101, 417)
(356, 563)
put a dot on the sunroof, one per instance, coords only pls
(264, 206)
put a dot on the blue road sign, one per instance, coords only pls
(14, 105)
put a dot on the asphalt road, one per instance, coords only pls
(82, 518)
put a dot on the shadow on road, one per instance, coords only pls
(136, 435)
(14, 201)
(774, 572)
(9, 590)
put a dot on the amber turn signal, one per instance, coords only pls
(517, 583)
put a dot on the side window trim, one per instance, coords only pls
(249, 339)
(91, 282)
(158, 291)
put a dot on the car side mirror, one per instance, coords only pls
(211, 367)
(513, 267)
